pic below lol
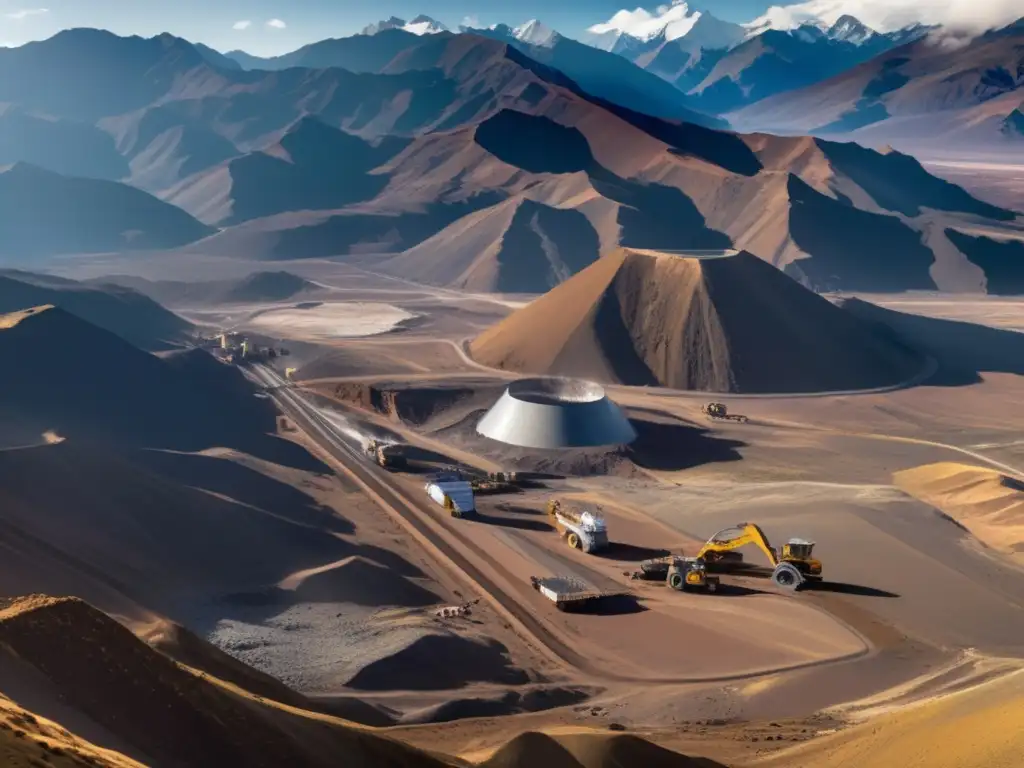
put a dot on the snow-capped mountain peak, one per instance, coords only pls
(392, 23)
(535, 33)
(640, 30)
(421, 25)
(424, 25)
(850, 30)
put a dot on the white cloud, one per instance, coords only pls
(886, 15)
(24, 13)
(276, 24)
(675, 20)
(472, 22)
(244, 24)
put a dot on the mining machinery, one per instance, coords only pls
(792, 566)
(581, 528)
(720, 412)
(680, 573)
(387, 455)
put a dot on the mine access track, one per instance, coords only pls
(312, 421)
(453, 545)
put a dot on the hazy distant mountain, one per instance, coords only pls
(359, 53)
(85, 74)
(600, 73)
(164, 144)
(850, 30)
(776, 61)
(534, 32)
(724, 66)
(44, 213)
(421, 25)
(312, 167)
(924, 92)
(1013, 123)
(64, 146)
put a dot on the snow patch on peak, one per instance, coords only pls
(424, 25)
(535, 33)
(850, 29)
(421, 25)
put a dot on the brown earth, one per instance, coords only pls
(720, 324)
(167, 713)
(413, 405)
(980, 727)
(989, 504)
(132, 699)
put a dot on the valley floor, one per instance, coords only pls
(750, 676)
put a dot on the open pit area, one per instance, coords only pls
(911, 493)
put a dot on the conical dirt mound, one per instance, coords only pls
(721, 323)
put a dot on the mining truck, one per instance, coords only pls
(388, 455)
(679, 572)
(451, 491)
(581, 528)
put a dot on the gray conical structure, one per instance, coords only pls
(556, 413)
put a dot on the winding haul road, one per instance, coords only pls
(460, 550)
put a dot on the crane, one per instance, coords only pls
(791, 567)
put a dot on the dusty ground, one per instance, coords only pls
(991, 180)
(820, 467)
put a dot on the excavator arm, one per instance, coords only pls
(738, 536)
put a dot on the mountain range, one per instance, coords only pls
(723, 66)
(924, 93)
(459, 159)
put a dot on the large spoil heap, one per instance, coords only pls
(721, 322)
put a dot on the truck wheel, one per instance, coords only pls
(676, 580)
(574, 541)
(787, 576)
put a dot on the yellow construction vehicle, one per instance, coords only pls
(680, 573)
(792, 566)
(288, 373)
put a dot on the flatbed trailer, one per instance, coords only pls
(571, 594)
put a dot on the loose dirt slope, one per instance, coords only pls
(169, 714)
(720, 324)
(82, 670)
(988, 504)
(122, 310)
(982, 727)
(588, 749)
(80, 380)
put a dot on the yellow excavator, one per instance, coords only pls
(793, 566)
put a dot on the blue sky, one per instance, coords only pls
(212, 21)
